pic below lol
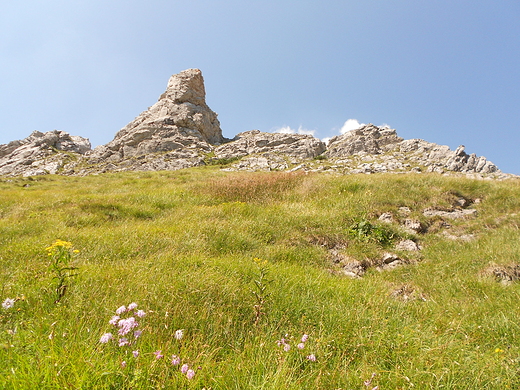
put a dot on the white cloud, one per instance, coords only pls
(300, 130)
(350, 124)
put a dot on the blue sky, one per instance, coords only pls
(444, 71)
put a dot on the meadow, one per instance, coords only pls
(204, 279)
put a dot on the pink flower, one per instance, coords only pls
(137, 333)
(281, 342)
(121, 310)
(126, 325)
(123, 341)
(135, 353)
(176, 360)
(113, 320)
(140, 313)
(305, 337)
(158, 354)
(106, 338)
(179, 334)
(286, 347)
(311, 357)
(123, 364)
(190, 374)
(132, 306)
(184, 368)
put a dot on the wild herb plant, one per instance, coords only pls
(260, 294)
(60, 253)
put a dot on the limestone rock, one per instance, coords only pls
(407, 245)
(180, 119)
(300, 146)
(453, 214)
(41, 153)
(369, 139)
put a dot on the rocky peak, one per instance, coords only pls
(180, 119)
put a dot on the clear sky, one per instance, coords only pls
(447, 71)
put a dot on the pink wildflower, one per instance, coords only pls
(140, 313)
(114, 320)
(158, 354)
(135, 353)
(281, 342)
(132, 306)
(123, 364)
(190, 374)
(184, 368)
(126, 325)
(105, 338)
(176, 360)
(305, 337)
(123, 341)
(137, 333)
(301, 345)
(286, 347)
(311, 357)
(179, 334)
(121, 310)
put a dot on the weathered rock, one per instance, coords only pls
(369, 139)
(386, 217)
(413, 226)
(453, 214)
(407, 245)
(390, 261)
(180, 119)
(41, 153)
(505, 274)
(299, 146)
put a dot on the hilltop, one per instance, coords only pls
(180, 131)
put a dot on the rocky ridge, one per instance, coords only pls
(181, 131)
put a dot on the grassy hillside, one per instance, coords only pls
(246, 264)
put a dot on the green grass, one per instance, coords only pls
(182, 245)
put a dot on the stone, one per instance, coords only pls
(407, 245)
(369, 139)
(413, 226)
(386, 217)
(41, 153)
(180, 119)
(298, 146)
(453, 214)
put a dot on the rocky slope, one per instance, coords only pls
(181, 131)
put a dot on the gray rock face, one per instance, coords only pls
(181, 131)
(269, 151)
(369, 139)
(41, 153)
(180, 119)
(299, 146)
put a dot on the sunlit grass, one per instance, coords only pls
(182, 245)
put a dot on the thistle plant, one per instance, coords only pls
(61, 253)
(260, 293)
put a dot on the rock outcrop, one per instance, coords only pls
(180, 121)
(368, 139)
(269, 151)
(41, 153)
(181, 131)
